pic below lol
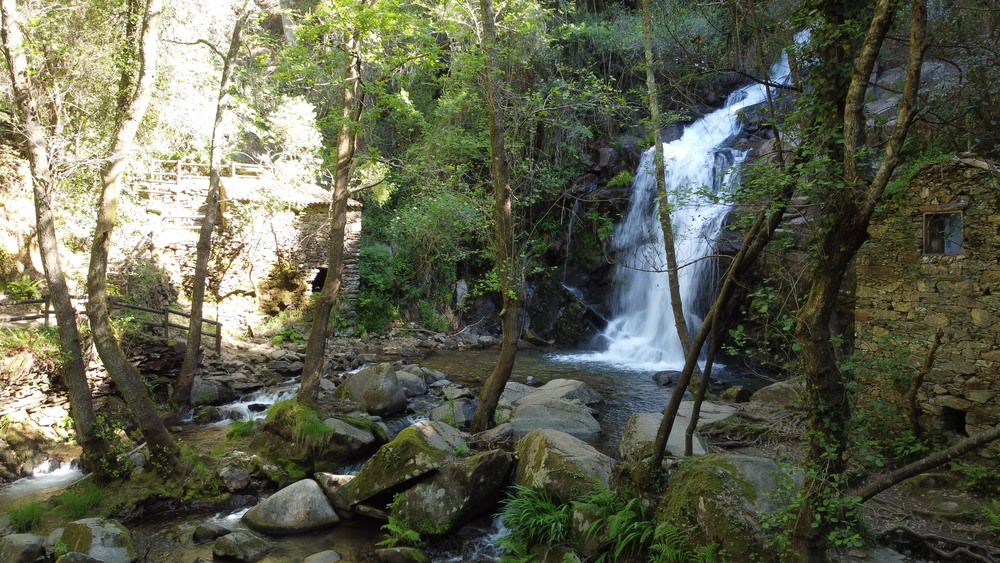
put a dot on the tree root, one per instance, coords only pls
(948, 547)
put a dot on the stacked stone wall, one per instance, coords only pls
(295, 232)
(905, 296)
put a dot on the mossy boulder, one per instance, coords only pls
(21, 548)
(100, 538)
(293, 432)
(563, 465)
(419, 449)
(376, 389)
(240, 545)
(463, 489)
(720, 499)
(299, 507)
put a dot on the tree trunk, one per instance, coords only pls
(848, 214)
(185, 380)
(676, 305)
(508, 267)
(74, 371)
(351, 108)
(126, 377)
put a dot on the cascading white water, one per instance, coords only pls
(700, 173)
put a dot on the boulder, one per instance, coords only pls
(328, 556)
(717, 498)
(376, 389)
(348, 440)
(21, 548)
(781, 395)
(330, 484)
(100, 538)
(513, 391)
(554, 460)
(235, 475)
(561, 389)
(74, 557)
(299, 507)
(413, 384)
(457, 413)
(207, 391)
(209, 531)
(240, 545)
(641, 429)
(570, 417)
(208, 413)
(463, 489)
(667, 378)
(417, 450)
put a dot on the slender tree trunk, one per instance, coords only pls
(125, 376)
(74, 370)
(652, 93)
(185, 380)
(937, 459)
(351, 108)
(847, 219)
(754, 242)
(508, 267)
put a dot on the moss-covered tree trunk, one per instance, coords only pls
(185, 380)
(851, 201)
(351, 108)
(126, 377)
(507, 263)
(74, 371)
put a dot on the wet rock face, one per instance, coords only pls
(240, 545)
(376, 390)
(299, 507)
(552, 460)
(100, 538)
(463, 489)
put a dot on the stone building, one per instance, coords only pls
(271, 250)
(933, 264)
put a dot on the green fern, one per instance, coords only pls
(534, 518)
(398, 533)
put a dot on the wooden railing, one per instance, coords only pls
(172, 171)
(166, 325)
(43, 313)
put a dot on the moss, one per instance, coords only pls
(709, 499)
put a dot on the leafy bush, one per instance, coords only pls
(23, 289)
(26, 517)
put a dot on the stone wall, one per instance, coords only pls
(906, 294)
(290, 226)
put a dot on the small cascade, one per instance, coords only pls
(701, 172)
(569, 237)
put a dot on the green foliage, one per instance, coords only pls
(672, 546)
(533, 518)
(304, 423)
(22, 289)
(241, 429)
(398, 533)
(59, 549)
(80, 501)
(621, 525)
(288, 334)
(26, 517)
(980, 478)
(991, 516)
(117, 463)
(41, 341)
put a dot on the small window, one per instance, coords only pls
(943, 233)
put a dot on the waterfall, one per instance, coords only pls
(701, 173)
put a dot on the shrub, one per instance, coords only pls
(240, 429)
